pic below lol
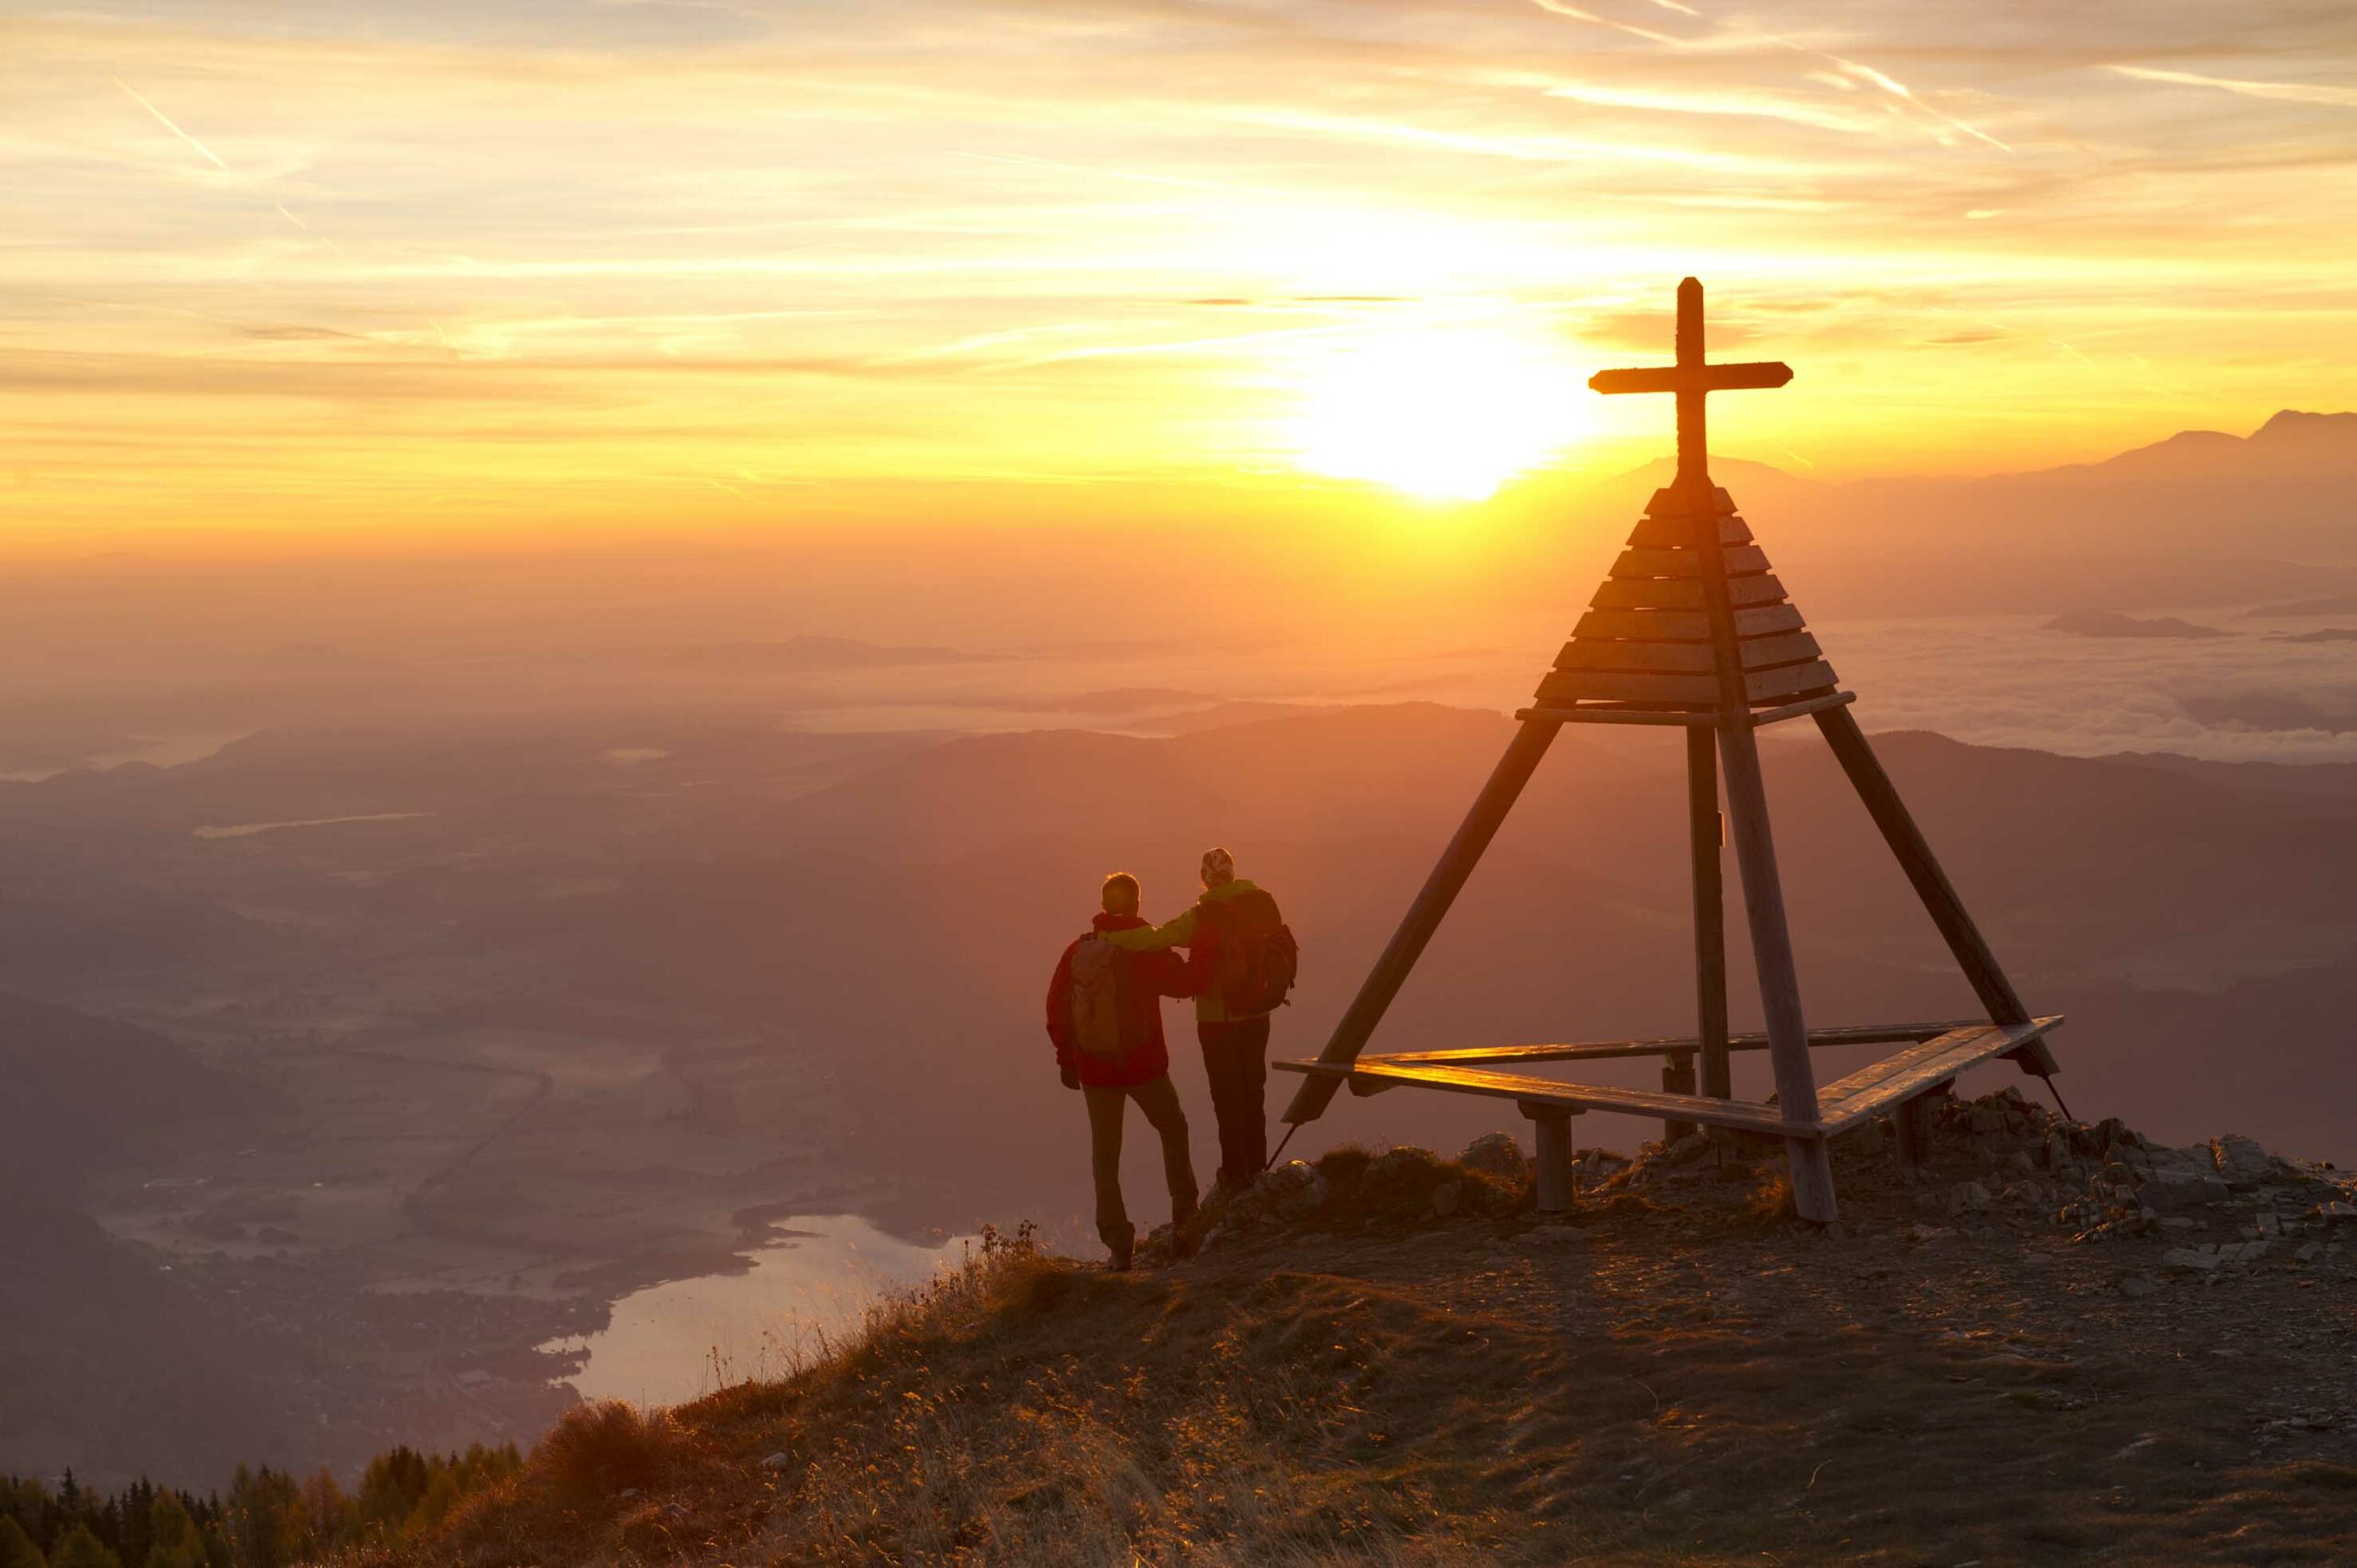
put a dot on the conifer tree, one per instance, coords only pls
(172, 1538)
(17, 1548)
(133, 1512)
(79, 1549)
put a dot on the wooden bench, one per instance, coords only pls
(1936, 1055)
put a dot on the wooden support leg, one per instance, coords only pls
(1914, 854)
(1755, 849)
(1912, 1122)
(1423, 917)
(1707, 836)
(1558, 1188)
(1678, 1078)
(1771, 952)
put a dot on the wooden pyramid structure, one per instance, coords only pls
(1693, 631)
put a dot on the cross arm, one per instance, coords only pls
(1684, 379)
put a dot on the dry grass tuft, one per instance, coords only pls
(1771, 1198)
(604, 1449)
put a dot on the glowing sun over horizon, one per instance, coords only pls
(1445, 413)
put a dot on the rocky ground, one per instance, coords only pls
(2058, 1342)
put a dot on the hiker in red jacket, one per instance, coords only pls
(1105, 1016)
(1245, 960)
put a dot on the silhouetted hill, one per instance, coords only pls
(808, 653)
(80, 1094)
(115, 1366)
(2201, 518)
(2290, 442)
(2103, 623)
(908, 919)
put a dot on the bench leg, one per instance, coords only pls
(1913, 1122)
(1558, 1187)
(1678, 1078)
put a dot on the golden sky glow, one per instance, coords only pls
(500, 264)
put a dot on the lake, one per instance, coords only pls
(674, 1342)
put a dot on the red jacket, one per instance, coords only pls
(1152, 977)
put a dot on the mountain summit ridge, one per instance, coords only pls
(1391, 1359)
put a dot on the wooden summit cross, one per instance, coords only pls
(1692, 630)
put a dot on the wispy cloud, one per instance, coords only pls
(1723, 34)
(1709, 102)
(1577, 15)
(167, 122)
(838, 216)
(2283, 92)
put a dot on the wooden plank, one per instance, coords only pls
(1906, 1073)
(1790, 680)
(1684, 626)
(1690, 659)
(1670, 501)
(1802, 709)
(1423, 917)
(1763, 620)
(1600, 653)
(1682, 593)
(1652, 625)
(1675, 531)
(1689, 378)
(1743, 1114)
(1789, 648)
(1706, 839)
(1868, 1081)
(1998, 1039)
(1615, 1050)
(1741, 560)
(1603, 715)
(1629, 686)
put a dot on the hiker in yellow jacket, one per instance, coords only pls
(1244, 960)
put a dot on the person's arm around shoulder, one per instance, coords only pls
(1177, 932)
(1171, 974)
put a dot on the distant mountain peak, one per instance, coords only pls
(2298, 426)
(2291, 441)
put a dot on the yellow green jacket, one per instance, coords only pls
(1211, 1004)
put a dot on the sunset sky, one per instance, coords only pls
(494, 266)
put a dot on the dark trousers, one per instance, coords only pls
(1235, 1059)
(1159, 1100)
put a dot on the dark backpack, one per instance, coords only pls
(1256, 958)
(1099, 1011)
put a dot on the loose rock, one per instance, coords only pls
(1496, 1153)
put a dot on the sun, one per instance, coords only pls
(1447, 414)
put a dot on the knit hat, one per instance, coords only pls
(1218, 867)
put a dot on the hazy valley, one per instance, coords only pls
(474, 971)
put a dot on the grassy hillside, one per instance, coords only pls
(2025, 1356)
